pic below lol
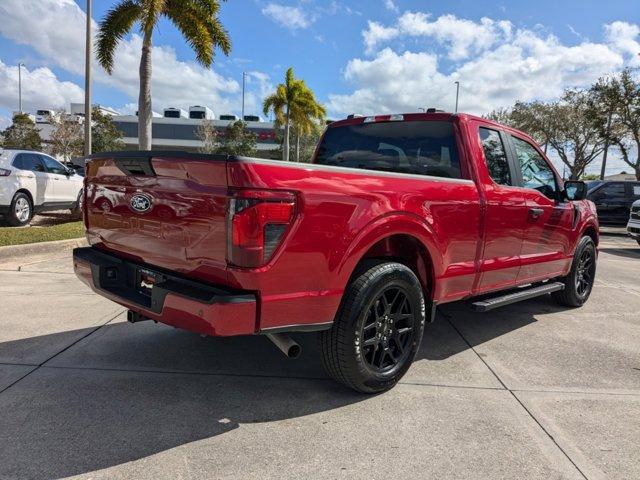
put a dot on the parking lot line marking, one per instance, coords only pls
(576, 392)
(63, 350)
(512, 393)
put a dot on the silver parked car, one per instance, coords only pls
(633, 227)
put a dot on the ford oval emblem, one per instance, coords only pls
(140, 203)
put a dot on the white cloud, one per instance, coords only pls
(499, 66)
(293, 18)
(462, 37)
(391, 82)
(624, 37)
(54, 28)
(377, 33)
(40, 89)
(390, 5)
(174, 82)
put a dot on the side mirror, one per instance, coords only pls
(575, 190)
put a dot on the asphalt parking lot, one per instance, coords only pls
(528, 391)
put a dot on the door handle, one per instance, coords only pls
(536, 212)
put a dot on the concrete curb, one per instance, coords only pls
(42, 248)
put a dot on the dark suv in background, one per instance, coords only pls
(613, 200)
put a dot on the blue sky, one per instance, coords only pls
(360, 56)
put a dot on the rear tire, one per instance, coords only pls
(378, 329)
(579, 282)
(20, 211)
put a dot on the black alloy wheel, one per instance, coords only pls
(585, 273)
(387, 331)
(378, 328)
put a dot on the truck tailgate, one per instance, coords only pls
(163, 210)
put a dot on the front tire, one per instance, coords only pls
(579, 282)
(20, 211)
(378, 329)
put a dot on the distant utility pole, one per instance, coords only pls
(20, 65)
(244, 77)
(87, 84)
(457, 95)
(606, 148)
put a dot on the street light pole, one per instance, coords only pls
(244, 76)
(457, 95)
(87, 84)
(20, 65)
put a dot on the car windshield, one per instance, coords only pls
(417, 147)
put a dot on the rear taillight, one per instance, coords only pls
(258, 221)
(4, 172)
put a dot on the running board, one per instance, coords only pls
(518, 296)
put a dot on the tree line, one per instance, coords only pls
(583, 124)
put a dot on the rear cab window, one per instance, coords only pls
(495, 156)
(415, 147)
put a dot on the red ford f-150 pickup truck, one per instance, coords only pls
(396, 214)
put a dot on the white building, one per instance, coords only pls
(174, 130)
(182, 133)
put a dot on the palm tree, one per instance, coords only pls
(292, 102)
(307, 117)
(197, 21)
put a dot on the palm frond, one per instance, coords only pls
(115, 25)
(197, 21)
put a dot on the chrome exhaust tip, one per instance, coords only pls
(286, 344)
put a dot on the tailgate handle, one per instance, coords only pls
(135, 166)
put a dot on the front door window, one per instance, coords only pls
(536, 172)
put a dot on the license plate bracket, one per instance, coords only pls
(146, 280)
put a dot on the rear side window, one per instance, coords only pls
(29, 161)
(612, 190)
(420, 147)
(495, 156)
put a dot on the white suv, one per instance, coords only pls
(32, 182)
(633, 227)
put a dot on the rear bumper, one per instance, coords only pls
(174, 300)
